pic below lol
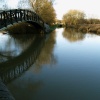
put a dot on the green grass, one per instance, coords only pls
(53, 27)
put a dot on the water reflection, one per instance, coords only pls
(26, 91)
(72, 35)
(18, 38)
(14, 67)
(19, 49)
(46, 55)
(11, 47)
(75, 72)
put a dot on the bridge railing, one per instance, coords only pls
(11, 16)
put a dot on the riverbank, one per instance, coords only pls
(50, 28)
(91, 28)
(53, 27)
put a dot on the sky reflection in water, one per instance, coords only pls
(68, 68)
(11, 47)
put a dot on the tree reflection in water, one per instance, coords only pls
(46, 55)
(13, 47)
(19, 38)
(38, 49)
(18, 51)
(72, 35)
(12, 68)
(38, 54)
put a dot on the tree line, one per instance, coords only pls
(77, 17)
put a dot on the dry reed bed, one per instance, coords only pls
(93, 28)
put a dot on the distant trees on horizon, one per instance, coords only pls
(77, 17)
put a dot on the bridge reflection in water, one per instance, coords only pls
(13, 68)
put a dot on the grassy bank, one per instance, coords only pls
(53, 27)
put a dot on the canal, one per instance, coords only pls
(62, 65)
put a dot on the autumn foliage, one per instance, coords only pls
(73, 17)
(44, 8)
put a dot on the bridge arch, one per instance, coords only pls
(35, 24)
(14, 16)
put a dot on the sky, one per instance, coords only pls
(89, 7)
(13, 4)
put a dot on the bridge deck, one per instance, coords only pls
(11, 16)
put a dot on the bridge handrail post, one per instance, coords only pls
(27, 15)
(16, 15)
(1, 16)
(11, 17)
(35, 17)
(31, 14)
(1, 19)
(5, 20)
(20, 14)
(24, 14)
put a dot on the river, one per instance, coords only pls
(63, 65)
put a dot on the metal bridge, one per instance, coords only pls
(10, 70)
(9, 17)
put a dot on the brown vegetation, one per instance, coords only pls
(72, 35)
(21, 28)
(44, 8)
(73, 17)
(76, 19)
(93, 28)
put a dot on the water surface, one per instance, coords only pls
(66, 67)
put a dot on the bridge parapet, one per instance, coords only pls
(12, 16)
